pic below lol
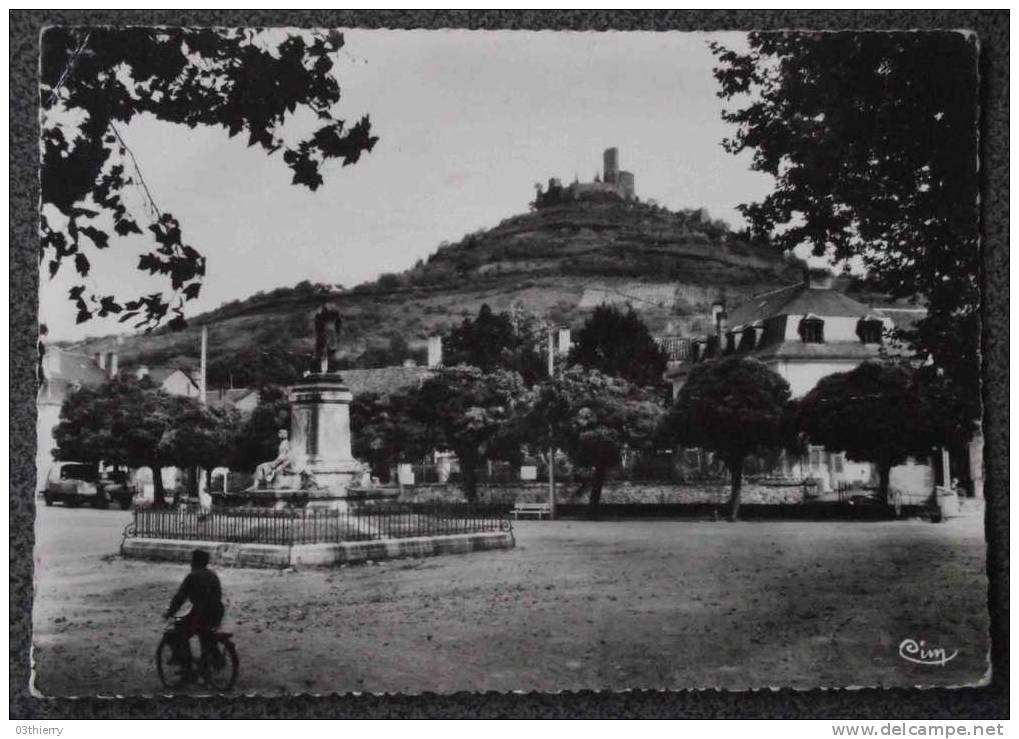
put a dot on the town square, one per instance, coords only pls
(353, 378)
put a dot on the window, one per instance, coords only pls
(812, 330)
(747, 341)
(870, 330)
(815, 458)
(838, 462)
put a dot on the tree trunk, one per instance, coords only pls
(736, 475)
(884, 474)
(469, 473)
(158, 493)
(597, 482)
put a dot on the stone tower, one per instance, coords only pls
(611, 158)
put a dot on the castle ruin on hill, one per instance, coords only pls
(613, 184)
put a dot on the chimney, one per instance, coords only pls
(818, 279)
(565, 341)
(101, 360)
(113, 364)
(434, 351)
(718, 316)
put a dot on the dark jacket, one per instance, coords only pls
(201, 587)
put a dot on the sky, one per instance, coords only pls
(468, 122)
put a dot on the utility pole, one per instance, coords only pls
(551, 448)
(201, 376)
(203, 497)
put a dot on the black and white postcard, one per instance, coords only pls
(429, 361)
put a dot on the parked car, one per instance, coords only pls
(75, 483)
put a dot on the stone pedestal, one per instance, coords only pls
(323, 472)
(320, 436)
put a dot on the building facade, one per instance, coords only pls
(805, 332)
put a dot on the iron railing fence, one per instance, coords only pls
(303, 526)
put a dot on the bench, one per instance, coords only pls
(532, 509)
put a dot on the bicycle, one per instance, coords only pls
(218, 670)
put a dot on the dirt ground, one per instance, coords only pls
(605, 605)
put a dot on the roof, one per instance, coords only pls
(65, 371)
(384, 380)
(228, 396)
(74, 368)
(797, 300)
(809, 351)
(159, 375)
(902, 318)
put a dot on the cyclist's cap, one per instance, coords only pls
(199, 558)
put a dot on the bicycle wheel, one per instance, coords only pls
(172, 676)
(221, 673)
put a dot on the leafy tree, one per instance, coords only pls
(872, 141)
(384, 432)
(873, 414)
(256, 438)
(199, 435)
(472, 413)
(618, 343)
(120, 422)
(592, 417)
(492, 341)
(258, 364)
(734, 406)
(392, 355)
(95, 80)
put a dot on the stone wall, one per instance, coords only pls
(613, 492)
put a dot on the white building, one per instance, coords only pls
(805, 332)
(63, 371)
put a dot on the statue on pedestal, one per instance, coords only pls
(324, 319)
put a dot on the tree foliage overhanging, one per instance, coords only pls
(95, 80)
(872, 141)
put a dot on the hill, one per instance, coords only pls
(559, 262)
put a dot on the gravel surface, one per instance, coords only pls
(576, 605)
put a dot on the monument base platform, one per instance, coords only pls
(224, 554)
(313, 498)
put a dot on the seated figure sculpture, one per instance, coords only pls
(267, 472)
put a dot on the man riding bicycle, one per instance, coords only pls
(201, 587)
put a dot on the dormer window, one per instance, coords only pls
(812, 329)
(753, 336)
(747, 339)
(731, 341)
(870, 329)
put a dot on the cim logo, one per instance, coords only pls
(921, 654)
